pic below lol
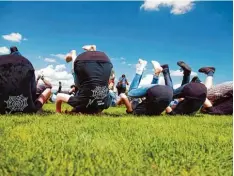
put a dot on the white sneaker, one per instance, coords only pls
(89, 47)
(157, 67)
(140, 66)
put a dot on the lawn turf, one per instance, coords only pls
(115, 144)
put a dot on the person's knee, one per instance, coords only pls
(48, 90)
(46, 93)
(62, 97)
(123, 96)
(59, 97)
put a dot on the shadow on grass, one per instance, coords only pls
(113, 114)
(119, 115)
(45, 113)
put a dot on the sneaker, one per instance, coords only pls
(89, 47)
(184, 67)
(157, 67)
(206, 70)
(140, 66)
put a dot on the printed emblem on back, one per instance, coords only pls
(99, 93)
(16, 103)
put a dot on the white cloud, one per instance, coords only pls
(14, 37)
(123, 62)
(25, 39)
(4, 50)
(50, 60)
(60, 68)
(56, 74)
(178, 7)
(180, 73)
(129, 64)
(60, 56)
(122, 59)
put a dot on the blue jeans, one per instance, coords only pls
(113, 98)
(136, 92)
(168, 82)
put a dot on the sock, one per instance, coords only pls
(139, 70)
(210, 73)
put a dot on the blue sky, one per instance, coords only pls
(202, 36)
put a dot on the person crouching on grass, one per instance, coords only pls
(18, 86)
(150, 99)
(92, 70)
(219, 99)
(190, 96)
(71, 57)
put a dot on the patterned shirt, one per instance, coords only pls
(220, 91)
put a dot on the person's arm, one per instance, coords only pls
(169, 111)
(124, 100)
(38, 78)
(72, 90)
(127, 82)
(47, 83)
(59, 100)
(209, 109)
(120, 80)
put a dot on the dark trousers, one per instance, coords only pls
(223, 107)
(168, 82)
(194, 94)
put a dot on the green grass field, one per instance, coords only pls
(115, 144)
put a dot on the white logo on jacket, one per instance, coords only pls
(16, 103)
(99, 93)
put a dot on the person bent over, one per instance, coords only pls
(150, 99)
(190, 95)
(71, 57)
(92, 69)
(18, 86)
(219, 97)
